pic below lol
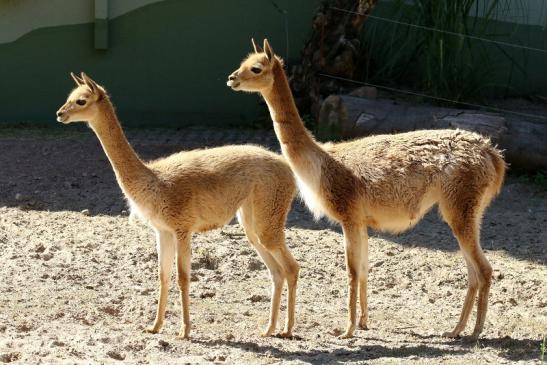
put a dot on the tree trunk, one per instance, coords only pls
(346, 117)
(333, 49)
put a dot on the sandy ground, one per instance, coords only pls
(78, 280)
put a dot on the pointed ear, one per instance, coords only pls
(76, 79)
(256, 47)
(90, 83)
(268, 50)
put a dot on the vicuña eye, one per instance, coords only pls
(80, 102)
(256, 70)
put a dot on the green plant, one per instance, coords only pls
(432, 47)
(540, 178)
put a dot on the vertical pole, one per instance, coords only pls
(101, 24)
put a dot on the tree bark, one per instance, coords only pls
(333, 49)
(346, 117)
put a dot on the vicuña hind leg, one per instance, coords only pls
(184, 254)
(165, 244)
(465, 224)
(291, 268)
(352, 237)
(363, 279)
(276, 273)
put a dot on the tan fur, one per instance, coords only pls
(197, 191)
(387, 182)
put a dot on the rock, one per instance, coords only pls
(207, 294)
(116, 355)
(378, 263)
(258, 298)
(229, 337)
(163, 344)
(513, 302)
(220, 358)
(39, 248)
(85, 212)
(56, 343)
(10, 357)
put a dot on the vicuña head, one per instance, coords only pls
(82, 103)
(255, 74)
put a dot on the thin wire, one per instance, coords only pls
(501, 43)
(437, 97)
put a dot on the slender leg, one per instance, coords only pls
(276, 272)
(165, 244)
(352, 237)
(464, 220)
(468, 302)
(363, 278)
(184, 254)
(484, 274)
(290, 268)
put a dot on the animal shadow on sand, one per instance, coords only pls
(340, 355)
(513, 349)
(426, 347)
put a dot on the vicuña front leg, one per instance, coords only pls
(166, 253)
(184, 253)
(352, 237)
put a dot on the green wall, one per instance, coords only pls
(166, 63)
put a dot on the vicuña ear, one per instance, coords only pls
(76, 79)
(268, 50)
(256, 47)
(90, 83)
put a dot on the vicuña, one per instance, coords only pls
(387, 182)
(194, 192)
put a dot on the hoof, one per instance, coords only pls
(267, 333)
(286, 334)
(346, 335)
(183, 337)
(451, 334)
(151, 330)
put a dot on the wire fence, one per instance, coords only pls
(463, 35)
(438, 98)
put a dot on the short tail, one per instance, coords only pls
(500, 167)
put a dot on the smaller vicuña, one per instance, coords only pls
(194, 192)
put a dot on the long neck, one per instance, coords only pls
(129, 169)
(296, 141)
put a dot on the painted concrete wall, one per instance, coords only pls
(166, 62)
